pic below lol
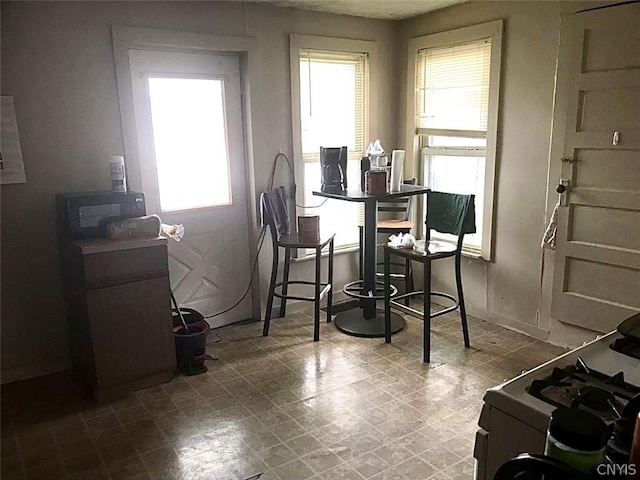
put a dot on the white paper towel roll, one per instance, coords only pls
(397, 163)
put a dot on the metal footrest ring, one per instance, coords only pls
(351, 288)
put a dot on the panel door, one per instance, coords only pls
(189, 126)
(597, 272)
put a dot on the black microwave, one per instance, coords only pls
(85, 215)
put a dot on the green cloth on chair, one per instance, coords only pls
(451, 213)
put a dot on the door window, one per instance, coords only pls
(190, 144)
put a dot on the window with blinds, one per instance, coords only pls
(332, 114)
(452, 104)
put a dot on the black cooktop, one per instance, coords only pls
(579, 386)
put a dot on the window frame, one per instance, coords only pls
(490, 30)
(297, 43)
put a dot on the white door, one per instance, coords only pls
(189, 125)
(597, 271)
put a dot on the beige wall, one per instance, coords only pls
(508, 289)
(57, 62)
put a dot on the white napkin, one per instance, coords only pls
(173, 231)
(402, 240)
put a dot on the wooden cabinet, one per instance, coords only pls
(119, 310)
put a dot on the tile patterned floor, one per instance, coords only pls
(281, 406)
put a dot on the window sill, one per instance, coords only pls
(472, 253)
(337, 251)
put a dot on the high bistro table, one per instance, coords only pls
(368, 321)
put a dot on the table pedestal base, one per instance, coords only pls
(352, 322)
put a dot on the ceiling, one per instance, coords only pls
(383, 9)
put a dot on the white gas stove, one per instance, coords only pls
(515, 415)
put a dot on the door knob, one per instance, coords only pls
(561, 189)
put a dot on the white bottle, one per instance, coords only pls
(118, 175)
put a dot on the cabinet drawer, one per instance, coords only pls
(123, 263)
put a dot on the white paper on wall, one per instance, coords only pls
(11, 163)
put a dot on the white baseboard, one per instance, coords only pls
(570, 336)
(510, 323)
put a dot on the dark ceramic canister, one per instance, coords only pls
(376, 182)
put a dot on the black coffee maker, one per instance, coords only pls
(333, 164)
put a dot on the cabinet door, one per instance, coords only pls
(131, 331)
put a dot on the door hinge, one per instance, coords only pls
(568, 160)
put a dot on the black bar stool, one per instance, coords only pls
(274, 214)
(447, 213)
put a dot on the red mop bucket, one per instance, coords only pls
(190, 344)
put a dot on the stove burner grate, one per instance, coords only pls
(582, 387)
(594, 398)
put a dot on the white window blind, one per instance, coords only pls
(333, 114)
(453, 86)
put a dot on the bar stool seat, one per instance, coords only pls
(395, 225)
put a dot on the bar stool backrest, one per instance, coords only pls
(450, 213)
(273, 212)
